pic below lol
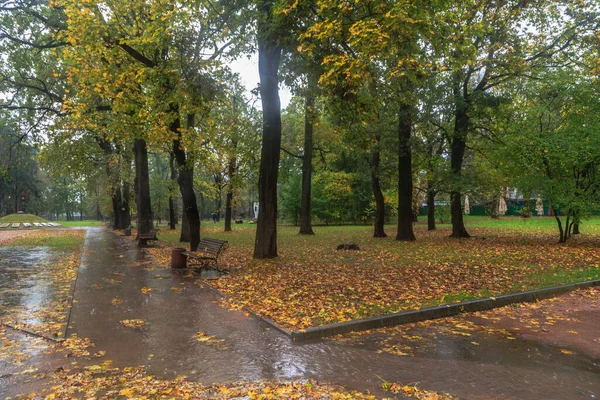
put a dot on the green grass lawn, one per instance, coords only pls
(21, 218)
(60, 240)
(82, 223)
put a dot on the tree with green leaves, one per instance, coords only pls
(149, 66)
(551, 145)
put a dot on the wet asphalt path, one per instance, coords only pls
(109, 290)
(250, 350)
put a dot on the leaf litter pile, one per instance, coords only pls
(311, 283)
(37, 297)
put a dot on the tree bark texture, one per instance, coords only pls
(378, 226)
(405, 184)
(185, 229)
(172, 211)
(269, 54)
(431, 210)
(142, 187)
(231, 168)
(125, 208)
(305, 208)
(120, 201)
(186, 183)
(457, 154)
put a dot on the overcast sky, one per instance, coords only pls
(248, 70)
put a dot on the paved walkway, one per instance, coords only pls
(109, 290)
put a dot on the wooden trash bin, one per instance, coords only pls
(178, 258)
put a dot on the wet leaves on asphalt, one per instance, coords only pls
(133, 323)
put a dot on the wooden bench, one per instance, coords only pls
(208, 251)
(143, 238)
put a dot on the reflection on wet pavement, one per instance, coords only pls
(25, 287)
(175, 309)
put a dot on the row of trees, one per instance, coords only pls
(397, 94)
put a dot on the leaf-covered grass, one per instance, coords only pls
(58, 240)
(311, 283)
(10, 218)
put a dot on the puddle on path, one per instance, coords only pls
(25, 285)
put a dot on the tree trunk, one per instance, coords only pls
(186, 181)
(561, 232)
(219, 200)
(378, 226)
(120, 201)
(576, 228)
(431, 210)
(185, 229)
(172, 211)
(142, 187)
(116, 205)
(269, 55)
(229, 197)
(457, 154)
(405, 186)
(305, 214)
(125, 208)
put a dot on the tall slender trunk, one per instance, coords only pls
(172, 211)
(116, 205)
(457, 153)
(142, 187)
(378, 226)
(305, 208)
(125, 208)
(405, 185)
(231, 168)
(431, 209)
(561, 231)
(269, 54)
(120, 201)
(185, 228)
(186, 181)
(219, 199)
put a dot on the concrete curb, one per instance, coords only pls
(269, 322)
(323, 331)
(447, 310)
(32, 333)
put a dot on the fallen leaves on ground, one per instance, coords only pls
(212, 340)
(105, 382)
(414, 392)
(549, 320)
(312, 284)
(133, 323)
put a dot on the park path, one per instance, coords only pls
(109, 290)
(177, 308)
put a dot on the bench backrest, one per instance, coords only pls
(153, 232)
(212, 246)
